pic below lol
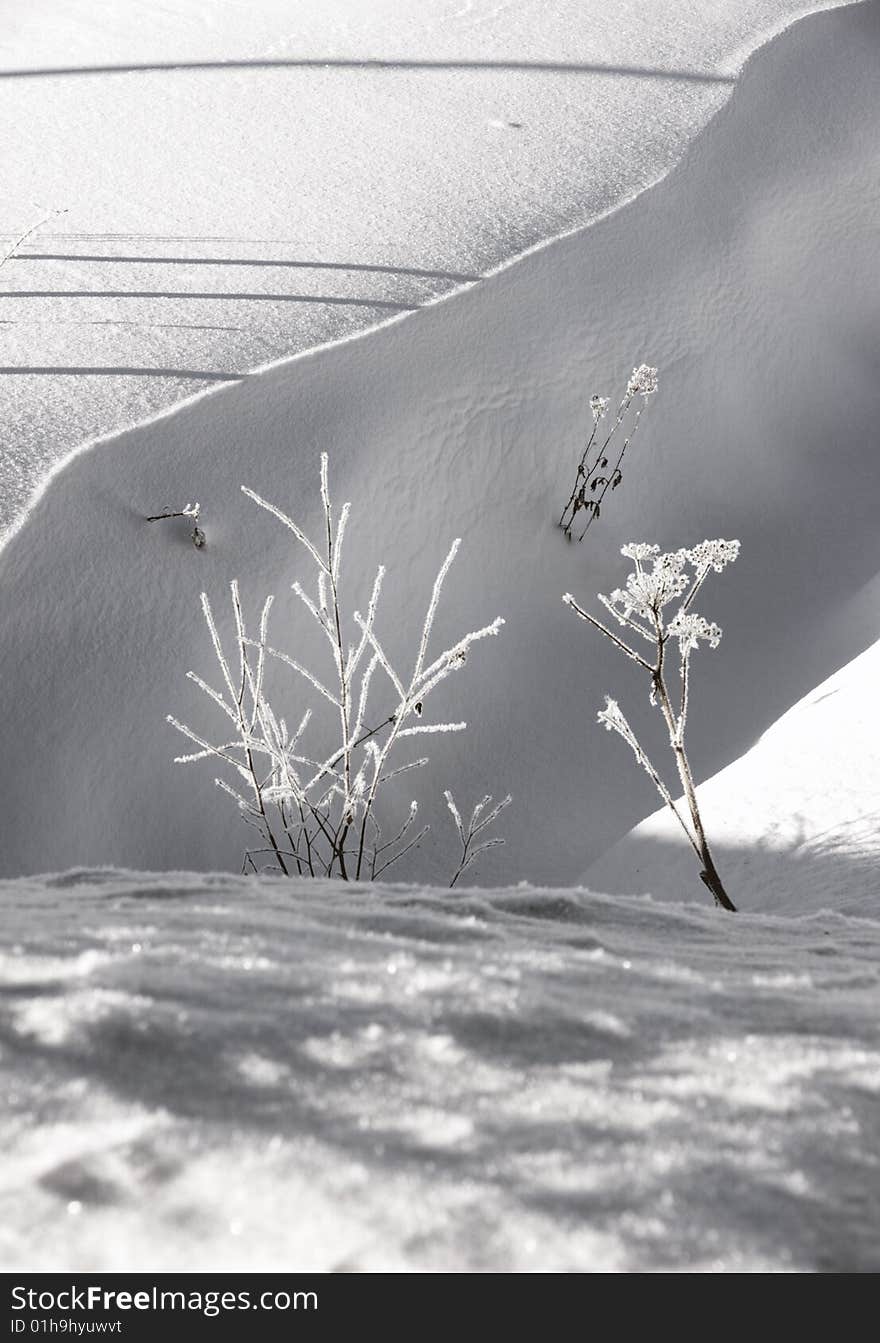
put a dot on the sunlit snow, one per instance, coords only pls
(210, 1072)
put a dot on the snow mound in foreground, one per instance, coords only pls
(794, 823)
(213, 1072)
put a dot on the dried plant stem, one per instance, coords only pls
(610, 482)
(709, 873)
(581, 473)
(592, 480)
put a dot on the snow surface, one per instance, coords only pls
(794, 824)
(220, 1073)
(748, 274)
(245, 181)
(213, 1072)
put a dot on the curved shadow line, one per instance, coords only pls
(243, 261)
(316, 63)
(199, 374)
(186, 294)
(120, 321)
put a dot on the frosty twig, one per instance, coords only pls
(316, 810)
(482, 816)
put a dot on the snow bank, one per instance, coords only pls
(213, 1073)
(794, 824)
(247, 181)
(749, 275)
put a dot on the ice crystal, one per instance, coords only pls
(689, 628)
(713, 554)
(612, 718)
(639, 550)
(648, 590)
(643, 381)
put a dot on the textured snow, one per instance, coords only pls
(224, 1073)
(794, 823)
(748, 275)
(245, 181)
(203, 1071)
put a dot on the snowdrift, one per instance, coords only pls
(748, 275)
(217, 1073)
(247, 182)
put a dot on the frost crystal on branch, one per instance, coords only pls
(613, 719)
(649, 589)
(639, 550)
(656, 581)
(482, 816)
(713, 554)
(316, 809)
(642, 382)
(690, 629)
(599, 469)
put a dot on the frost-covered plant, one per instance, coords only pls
(656, 582)
(482, 816)
(316, 809)
(595, 476)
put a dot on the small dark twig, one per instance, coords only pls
(189, 511)
(193, 511)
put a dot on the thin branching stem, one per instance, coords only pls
(611, 482)
(603, 629)
(648, 591)
(307, 802)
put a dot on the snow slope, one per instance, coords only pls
(245, 181)
(748, 274)
(212, 1073)
(794, 823)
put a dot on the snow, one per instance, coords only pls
(747, 275)
(246, 181)
(224, 1073)
(794, 824)
(205, 1071)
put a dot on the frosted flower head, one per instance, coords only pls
(689, 628)
(639, 550)
(598, 405)
(648, 589)
(643, 381)
(713, 554)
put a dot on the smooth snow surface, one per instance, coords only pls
(794, 824)
(748, 275)
(215, 1073)
(245, 181)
